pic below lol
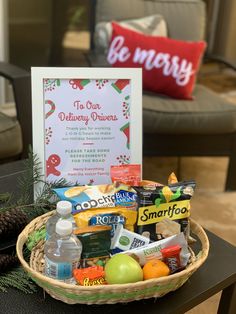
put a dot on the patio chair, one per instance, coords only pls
(205, 126)
(16, 132)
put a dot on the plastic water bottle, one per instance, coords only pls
(62, 253)
(63, 211)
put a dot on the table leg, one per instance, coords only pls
(227, 303)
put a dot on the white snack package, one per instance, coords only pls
(152, 250)
(124, 240)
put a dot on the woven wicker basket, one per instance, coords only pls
(105, 294)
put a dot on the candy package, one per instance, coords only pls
(90, 276)
(171, 257)
(129, 174)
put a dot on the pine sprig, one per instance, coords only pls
(17, 278)
(45, 198)
(30, 177)
(45, 201)
(46, 192)
(5, 197)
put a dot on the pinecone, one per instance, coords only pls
(7, 262)
(12, 223)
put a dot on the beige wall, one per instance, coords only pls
(225, 38)
(230, 40)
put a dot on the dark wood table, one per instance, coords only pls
(217, 274)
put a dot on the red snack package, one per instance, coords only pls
(126, 174)
(171, 256)
(90, 276)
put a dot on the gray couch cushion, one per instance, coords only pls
(169, 116)
(10, 137)
(191, 13)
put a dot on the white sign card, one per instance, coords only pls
(85, 120)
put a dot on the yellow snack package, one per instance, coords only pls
(111, 216)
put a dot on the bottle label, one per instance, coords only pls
(60, 271)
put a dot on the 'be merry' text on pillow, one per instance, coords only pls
(169, 66)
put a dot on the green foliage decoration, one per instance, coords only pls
(44, 202)
(17, 278)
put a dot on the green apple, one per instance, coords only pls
(122, 268)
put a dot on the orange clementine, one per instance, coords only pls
(155, 268)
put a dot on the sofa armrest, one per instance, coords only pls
(11, 72)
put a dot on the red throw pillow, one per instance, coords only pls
(169, 66)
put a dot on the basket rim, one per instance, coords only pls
(195, 227)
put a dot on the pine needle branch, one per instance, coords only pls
(18, 279)
(5, 197)
(45, 201)
(30, 176)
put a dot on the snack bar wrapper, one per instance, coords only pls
(125, 240)
(153, 250)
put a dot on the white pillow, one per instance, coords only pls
(153, 25)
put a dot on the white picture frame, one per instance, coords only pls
(42, 91)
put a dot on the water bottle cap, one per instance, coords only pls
(63, 227)
(64, 208)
